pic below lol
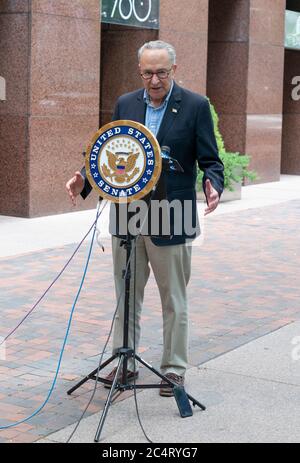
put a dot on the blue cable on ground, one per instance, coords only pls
(65, 338)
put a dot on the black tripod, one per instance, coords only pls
(124, 354)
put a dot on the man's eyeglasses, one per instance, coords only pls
(163, 74)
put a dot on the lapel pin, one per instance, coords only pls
(174, 110)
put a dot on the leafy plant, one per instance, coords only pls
(235, 164)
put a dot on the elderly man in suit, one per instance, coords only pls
(181, 120)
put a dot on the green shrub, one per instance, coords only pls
(235, 164)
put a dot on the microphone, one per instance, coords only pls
(169, 164)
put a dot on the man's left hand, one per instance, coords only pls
(212, 197)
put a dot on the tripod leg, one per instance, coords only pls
(108, 401)
(84, 380)
(194, 401)
(91, 375)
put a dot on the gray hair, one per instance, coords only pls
(159, 45)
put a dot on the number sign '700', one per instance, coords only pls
(138, 13)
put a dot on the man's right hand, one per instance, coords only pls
(75, 186)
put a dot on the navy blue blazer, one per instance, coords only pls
(187, 129)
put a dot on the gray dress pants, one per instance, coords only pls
(171, 266)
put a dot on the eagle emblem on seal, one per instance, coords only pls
(121, 166)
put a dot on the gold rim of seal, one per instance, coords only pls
(156, 171)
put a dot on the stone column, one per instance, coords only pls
(227, 68)
(245, 78)
(52, 61)
(290, 158)
(185, 25)
(265, 87)
(14, 68)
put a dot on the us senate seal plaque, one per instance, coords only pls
(123, 161)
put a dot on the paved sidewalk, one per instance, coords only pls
(245, 285)
(251, 395)
(19, 235)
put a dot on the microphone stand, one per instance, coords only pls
(125, 353)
